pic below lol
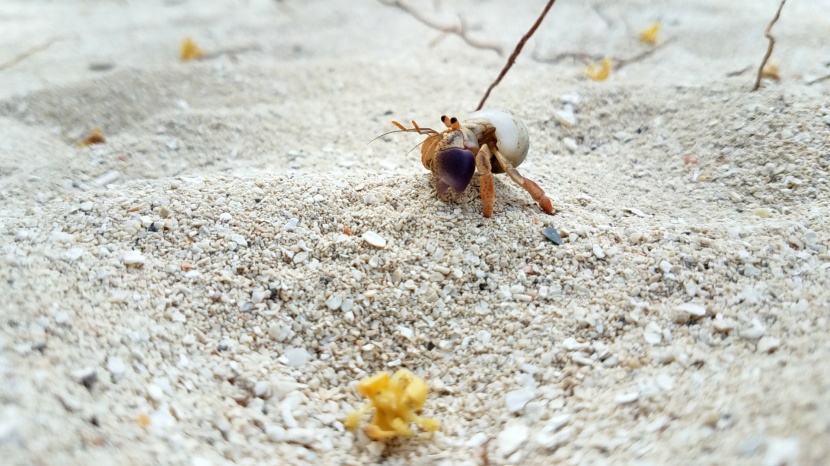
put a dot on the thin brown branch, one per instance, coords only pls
(581, 56)
(640, 56)
(231, 51)
(769, 47)
(28, 53)
(617, 63)
(818, 80)
(460, 29)
(516, 52)
(739, 72)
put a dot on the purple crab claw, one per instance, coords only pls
(454, 169)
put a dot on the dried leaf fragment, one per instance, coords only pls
(190, 51)
(770, 70)
(649, 35)
(96, 136)
(599, 71)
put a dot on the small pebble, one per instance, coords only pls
(768, 344)
(374, 239)
(275, 433)
(664, 381)
(723, 325)
(571, 344)
(517, 399)
(599, 252)
(553, 235)
(653, 333)
(297, 357)
(552, 440)
(570, 144)
(762, 212)
(262, 389)
(155, 392)
(116, 365)
(565, 117)
(626, 398)
(300, 257)
(300, 435)
(259, 296)
(511, 438)
(376, 448)
(86, 377)
(291, 224)
(755, 331)
(107, 178)
(334, 302)
(62, 318)
(134, 258)
(694, 310)
(782, 452)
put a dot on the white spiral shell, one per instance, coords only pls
(511, 132)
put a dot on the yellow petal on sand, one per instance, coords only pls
(649, 35)
(599, 71)
(190, 51)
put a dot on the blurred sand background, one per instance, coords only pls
(197, 290)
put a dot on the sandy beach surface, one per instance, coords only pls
(208, 286)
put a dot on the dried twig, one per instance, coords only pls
(739, 72)
(516, 52)
(818, 80)
(581, 56)
(231, 51)
(460, 29)
(769, 47)
(28, 53)
(617, 63)
(640, 56)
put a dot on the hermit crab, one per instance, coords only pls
(490, 141)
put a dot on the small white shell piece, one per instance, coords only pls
(511, 132)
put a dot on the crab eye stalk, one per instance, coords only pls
(454, 169)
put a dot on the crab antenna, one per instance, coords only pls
(388, 133)
(404, 129)
(416, 146)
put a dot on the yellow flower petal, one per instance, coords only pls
(649, 35)
(599, 71)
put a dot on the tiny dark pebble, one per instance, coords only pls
(101, 66)
(553, 235)
(90, 380)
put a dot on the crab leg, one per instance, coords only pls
(487, 187)
(537, 193)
